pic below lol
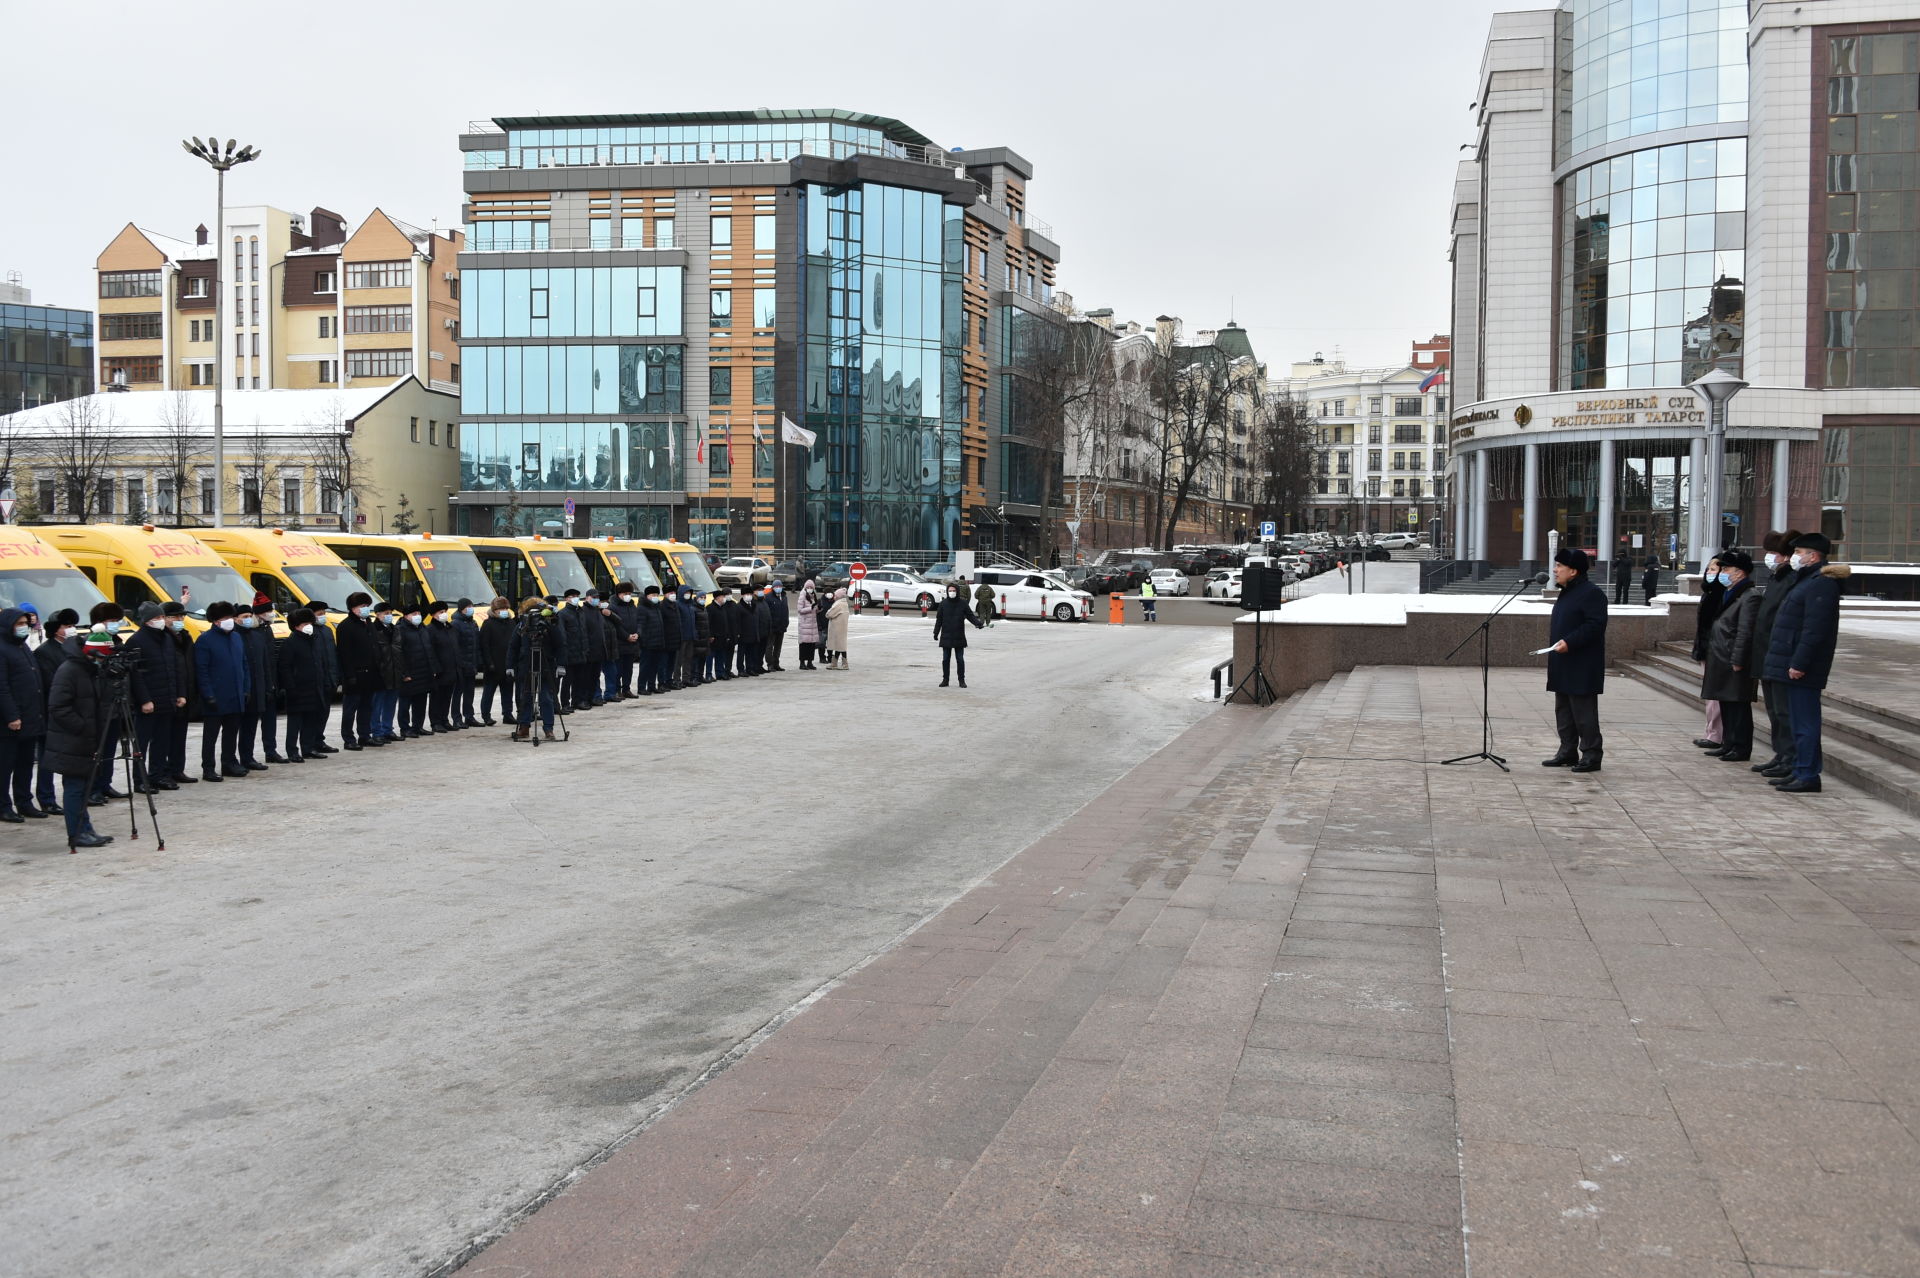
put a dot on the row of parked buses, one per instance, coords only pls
(76, 566)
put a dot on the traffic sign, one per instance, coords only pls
(858, 572)
(569, 508)
(1073, 528)
(6, 510)
(1269, 530)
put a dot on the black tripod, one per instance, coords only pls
(537, 666)
(120, 713)
(1256, 678)
(1485, 630)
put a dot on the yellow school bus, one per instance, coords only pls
(610, 561)
(678, 563)
(412, 570)
(134, 564)
(524, 566)
(291, 567)
(33, 572)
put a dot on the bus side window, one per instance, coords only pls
(131, 592)
(412, 592)
(92, 574)
(669, 580)
(276, 590)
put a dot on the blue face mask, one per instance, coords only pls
(1722, 579)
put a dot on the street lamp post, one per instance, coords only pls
(1717, 388)
(221, 158)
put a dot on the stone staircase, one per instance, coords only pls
(1866, 745)
(1503, 580)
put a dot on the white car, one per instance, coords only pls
(1170, 581)
(1397, 540)
(902, 587)
(744, 570)
(1023, 592)
(1224, 584)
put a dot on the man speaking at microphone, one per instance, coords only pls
(1577, 662)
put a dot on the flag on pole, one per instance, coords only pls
(1434, 378)
(759, 435)
(791, 434)
(700, 448)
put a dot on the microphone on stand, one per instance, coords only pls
(1538, 579)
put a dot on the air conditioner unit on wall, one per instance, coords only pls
(450, 276)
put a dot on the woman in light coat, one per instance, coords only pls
(837, 630)
(807, 612)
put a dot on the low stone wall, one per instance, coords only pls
(1299, 655)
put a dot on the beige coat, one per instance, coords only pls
(837, 623)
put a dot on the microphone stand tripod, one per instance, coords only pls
(1484, 630)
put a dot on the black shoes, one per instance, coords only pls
(1561, 760)
(273, 757)
(181, 778)
(88, 839)
(1589, 763)
(214, 776)
(943, 683)
(28, 810)
(1810, 786)
(12, 818)
(1705, 744)
(1733, 758)
(353, 745)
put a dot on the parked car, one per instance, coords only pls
(791, 572)
(1171, 581)
(902, 587)
(833, 576)
(1035, 594)
(1224, 584)
(939, 574)
(1397, 540)
(744, 570)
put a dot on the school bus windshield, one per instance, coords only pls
(692, 570)
(48, 589)
(560, 568)
(454, 573)
(331, 582)
(198, 585)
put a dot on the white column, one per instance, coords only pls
(1462, 503)
(1604, 546)
(1782, 459)
(1481, 481)
(1696, 494)
(1530, 509)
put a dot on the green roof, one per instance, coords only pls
(892, 128)
(1234, 341)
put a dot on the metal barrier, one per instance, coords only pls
(1227, 666)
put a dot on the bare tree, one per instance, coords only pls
(76, 454)
(13, 449)
(256, 472)
(1192, 388)
(1283, 457)
(328, 453)
(181, 447)
(1064, 388)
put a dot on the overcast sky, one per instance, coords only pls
(1282, 162)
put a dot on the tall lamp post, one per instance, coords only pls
(1718, 387)
(221, 158)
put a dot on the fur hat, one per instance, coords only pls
(1573, 557)
(1813, 541)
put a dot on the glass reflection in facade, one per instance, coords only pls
(713, 143)
(1652, 257)
(1640, 66)
(586, 301)
(573, 456)
(882, 303)
(601, 379)
(1872, 238)
(46, 354)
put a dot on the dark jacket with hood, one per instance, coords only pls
(301, 673)
(21, 695)
(702, 621)
(1807, 628)
(1580, 618)
(76, 717)
(1730, 644)
(951, 617)
(689, 623)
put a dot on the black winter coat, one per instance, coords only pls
(1711, 597)
(159, 668)
(393, 657)
(76, 718)
(601, 644)
(670, 623)
(264, 688)
(329, 656)
(951, 617)
(1580, 618)
(626, 621)
(466, 633)
(49, 657)
(496, 642)
(1807, 628)
(753, 621)
(21, 696)
(1731, 644)
(301, 672)
(1650, 581)
(446, 653)
(183, 678)
(520, 653)
(702, 623)
(572, 630)
(777, 610)
(725, 619)
(416, 658)
(362, 655)
(1777, 587)
(653, 632)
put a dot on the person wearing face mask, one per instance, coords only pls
(1776, 579)
(1800, 653)
(466, 632)
(1577, 663)
(109, 618)
(1712, 591)
(807, 618)
(183, 687)
(446, 667)
(608, 689)
(762, 629)
(221, 674)
(653, 643)
(837, 621)
(357, 642)
(1729, 677)
(48, 658)
(386, 702)
(153, 729)
(532, 661)
(951, 617)
(778, 618)
(496, 641)
(723, 617)
(23, 721)
(597, 648)
(260, 723)
(626, 629)
(77, 718)
(664, 677)
(571, 653)
(302, 678)
(702, 637)
(323, 639)
(416, 672)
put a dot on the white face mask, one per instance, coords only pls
(1773, 560)
(1797, 561)
(158, 623)
(362, 611)
(249, 622)
(503, 613)
(306, 630)
(414, 618)
(226, 623)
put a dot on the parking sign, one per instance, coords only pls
(1269, 530)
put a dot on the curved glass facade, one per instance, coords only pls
(1640, 66)
(1652, 258)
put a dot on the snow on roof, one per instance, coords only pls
(148, 412)
(412, 232)
(329, 250)
(176, 250)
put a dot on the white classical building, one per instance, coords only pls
(1658, 191)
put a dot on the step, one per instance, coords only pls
(1852, 701)
(1859, 753)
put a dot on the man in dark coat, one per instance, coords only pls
(153, 729)
(702, 664)
(23, 718)
(77, 719)
(224, 680)
(572, 653)
(533, 657)
(357, 644)
(496, 641)
(263, 692)
(608, 689)
(323, 639)
(466, 631)
(725, 616)
(666, 675)
(1800, 653)
(1729, 677)
(653, 642)
(416, 672)
(183, 686)
(300, 674)
(951, 617)
(1777, 579)
(1650, 580)
(49, 657)
(446, 666)
(626, 624)
(1622, 574)
(393, 667)
(777, 619)
(755, 620)
(1577, 666)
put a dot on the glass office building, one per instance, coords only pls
(46, 354)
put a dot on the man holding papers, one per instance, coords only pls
(1577, 662)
